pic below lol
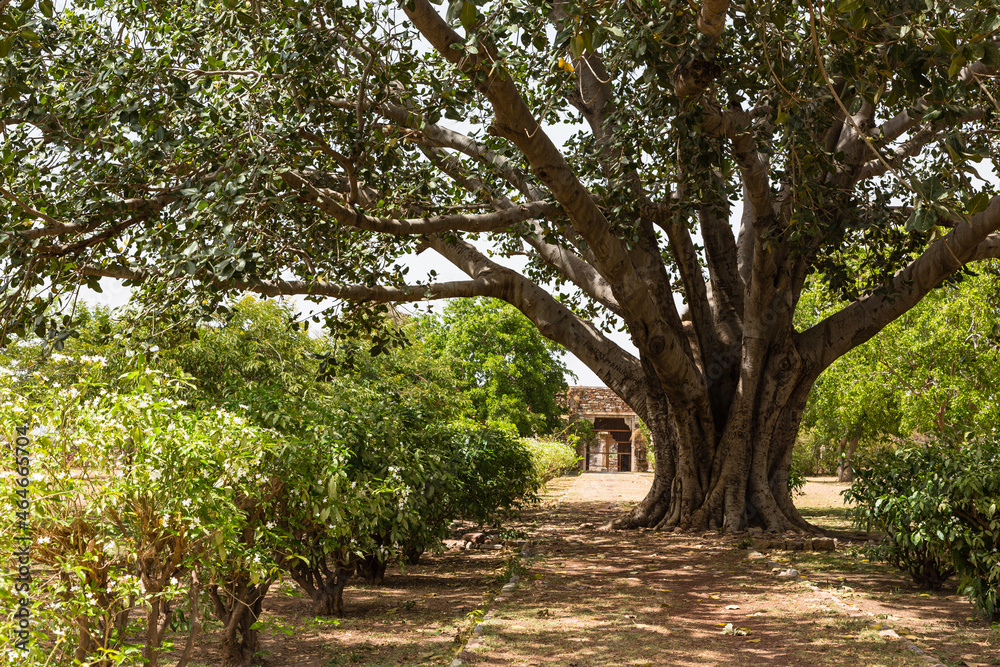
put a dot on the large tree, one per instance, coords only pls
(308, 146)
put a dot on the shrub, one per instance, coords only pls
(938, 506)
(550, 458)
(496, 472)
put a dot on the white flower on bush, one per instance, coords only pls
(39, 431)
(186, 502)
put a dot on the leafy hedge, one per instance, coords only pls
(939, 506)
(551, 458)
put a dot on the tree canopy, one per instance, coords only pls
(509, 371)
(198, 148)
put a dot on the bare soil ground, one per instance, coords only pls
(615, 599)
(603, 599)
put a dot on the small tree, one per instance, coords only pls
(509, 371)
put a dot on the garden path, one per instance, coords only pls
(590, 598)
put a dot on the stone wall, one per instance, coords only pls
(594, 402)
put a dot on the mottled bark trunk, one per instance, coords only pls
(845, 469)
(325, 585)
(239, 606)
(739, 479)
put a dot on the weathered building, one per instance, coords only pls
(620, 445)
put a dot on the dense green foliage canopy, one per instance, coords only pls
(933, 373)
(509, 371)
(202, 147)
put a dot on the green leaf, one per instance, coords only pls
(978, 203)
(468, 15)
(921, 220)
(946, 38)
(957, 63)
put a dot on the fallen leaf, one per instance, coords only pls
(752, 641)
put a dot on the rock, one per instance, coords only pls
(508, 588)
(824, 544)
(456, 663)
(790, 573)
(755, 555)
(794, 545)
(587, 526)
(468, 546)
(495, 547)
(888, 634)
(756, 531)
(453, 544)
(476, 538)
(479, 629)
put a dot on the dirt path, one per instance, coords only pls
(635, 598)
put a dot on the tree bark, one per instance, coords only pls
(845, 473)
(325, 584)
(239, 607)
(740, 479)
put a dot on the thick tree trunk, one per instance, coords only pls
(737, 479)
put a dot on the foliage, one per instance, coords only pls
(509, 371)
(196, 149)
(496, 470)
(797, 473)
(135, 494)
(931, 372)
(938, 505)
(551, 458)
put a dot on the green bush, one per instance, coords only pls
(938, 506)
(496, 472)
(551, 458)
